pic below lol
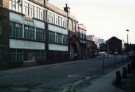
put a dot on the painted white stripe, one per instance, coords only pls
(57, 29)
(21, 19)
(55, 47)
(16, 17)
(20, 44)
(39, 24)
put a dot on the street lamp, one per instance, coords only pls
(127, 36)
(127, 40)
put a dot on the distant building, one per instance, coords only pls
(114, 45)
(91, 48)
(103, 47)
(90, 37)
(82, 40)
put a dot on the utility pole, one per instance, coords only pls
(67, 10)
(46, 30)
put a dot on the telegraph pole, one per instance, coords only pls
(67, 10)
(46, 31)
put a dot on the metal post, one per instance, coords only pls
(103, 63)
(127, 39)
(66, 9)
(127, 44)
(46, 29)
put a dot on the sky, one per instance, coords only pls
(104, 18)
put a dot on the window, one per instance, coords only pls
(65, 39)
(37, 11)
(29, 32)
(40, 34)
(56, 38)
(15, 5)
(16, 30)
(51, 37)
(26, 8)
(41, 14)
(60, 38)
(31, 7)
(65, 23)
(51, 17)
(56, 19)
(59, 21)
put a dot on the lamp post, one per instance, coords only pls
(127, 36)
(127, 40)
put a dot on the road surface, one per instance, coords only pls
(58, 77)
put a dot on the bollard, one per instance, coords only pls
(118, 78)
(124, 73)
(133, 65)
(129, 69)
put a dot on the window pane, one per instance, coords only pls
(16, 30)
(40, 34)
(29, 32)
(51, 37)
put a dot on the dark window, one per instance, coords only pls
(29, 32)
(58, 38)
(40, 34)
(16, 30)
(51, 37)
(65, 40)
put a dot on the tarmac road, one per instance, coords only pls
(57, 77)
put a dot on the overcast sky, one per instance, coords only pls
(104, 18)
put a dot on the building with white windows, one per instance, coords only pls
(36, 31)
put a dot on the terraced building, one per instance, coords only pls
(35, 31)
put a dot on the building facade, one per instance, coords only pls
(57, 34)
(82, 40)
(37, 31)
(114, 45)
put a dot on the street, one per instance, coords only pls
(58, 77)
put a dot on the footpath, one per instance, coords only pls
(103, 84)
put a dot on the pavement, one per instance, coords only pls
(103, 84)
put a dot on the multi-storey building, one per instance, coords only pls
(73, 38)
(26, 30)
(58, 33)
(90, 46)
(82, 40)
(36, 31)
